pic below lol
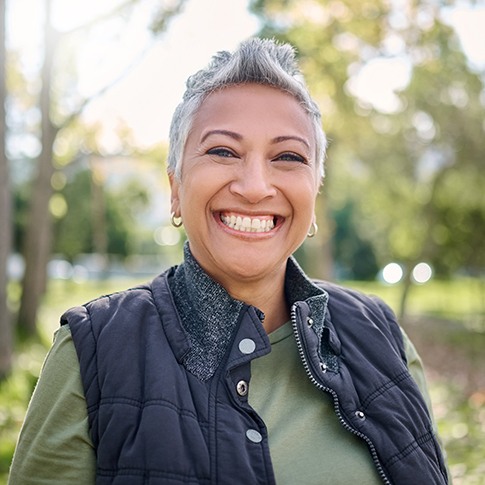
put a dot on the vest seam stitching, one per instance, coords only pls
(106, 401)
(395, 381)
(142, 471)
(411, 447)
(93, 418)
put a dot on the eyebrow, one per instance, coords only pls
(232, 134)
(238, 137)
(280, 139)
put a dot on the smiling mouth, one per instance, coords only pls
(244, 223)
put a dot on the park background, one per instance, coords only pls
(87, 92)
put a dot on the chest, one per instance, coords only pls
(306, 440)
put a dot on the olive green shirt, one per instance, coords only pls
(307, 443)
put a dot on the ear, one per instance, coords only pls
(174, 194)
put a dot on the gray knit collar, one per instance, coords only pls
(210, 315)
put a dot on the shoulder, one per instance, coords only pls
(350, 306)
(117, 306)
(347, 296)
(109, 318)
(111, 302)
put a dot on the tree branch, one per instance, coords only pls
(158, 25)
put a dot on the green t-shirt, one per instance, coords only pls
(54, 446)
(307, 443)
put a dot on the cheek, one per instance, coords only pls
(304, 195)
(196, 190)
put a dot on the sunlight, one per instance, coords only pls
(469, 23)
(145, 99)
(379, 80)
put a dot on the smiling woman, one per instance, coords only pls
(234, 367)
(249, 164)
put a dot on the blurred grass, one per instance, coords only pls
(446, 323)
(461, 299)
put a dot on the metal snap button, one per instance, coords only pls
(323, 367)
(242, 388)
(254, 436)
(360, 415)
(309, 321)
(247, 346)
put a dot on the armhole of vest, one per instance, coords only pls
(83, 316)
(394, 326)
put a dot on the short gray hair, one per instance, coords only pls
(260, 61)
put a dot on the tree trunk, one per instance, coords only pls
(38, 236)
(317, 259)
(322, 263)
(403, 301)
(6, 341)
(98, 208)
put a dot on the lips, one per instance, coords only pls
(246, 223)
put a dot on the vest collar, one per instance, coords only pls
(210, 316)
(298, 288)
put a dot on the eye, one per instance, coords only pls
(290, 157)
(221, 152)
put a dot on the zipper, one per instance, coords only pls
(336, 403)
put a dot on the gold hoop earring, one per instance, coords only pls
(313, 230)
(174, 221)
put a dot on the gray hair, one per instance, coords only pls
(260, 61)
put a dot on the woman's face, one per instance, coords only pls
(248, 184)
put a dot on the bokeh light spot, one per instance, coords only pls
(392, 273)
(166, 236)
(422, 273)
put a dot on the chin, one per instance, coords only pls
(252, 267)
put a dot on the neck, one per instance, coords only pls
(268, 295)
(267, 292)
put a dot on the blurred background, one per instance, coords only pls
(88, 89)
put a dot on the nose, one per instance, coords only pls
(253, 180)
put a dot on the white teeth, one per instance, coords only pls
(246, 224)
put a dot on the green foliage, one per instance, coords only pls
(15, 393)
(453, 356)
(414, 170)
(20, 214)
(461, 299)
(164, 15)
(461, 423)
(353, 254)
(75, 231)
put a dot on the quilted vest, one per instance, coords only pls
(152, 421)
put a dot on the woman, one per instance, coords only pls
(234, 367)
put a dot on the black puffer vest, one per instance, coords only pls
(156, 418)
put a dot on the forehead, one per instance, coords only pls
(252, 107)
